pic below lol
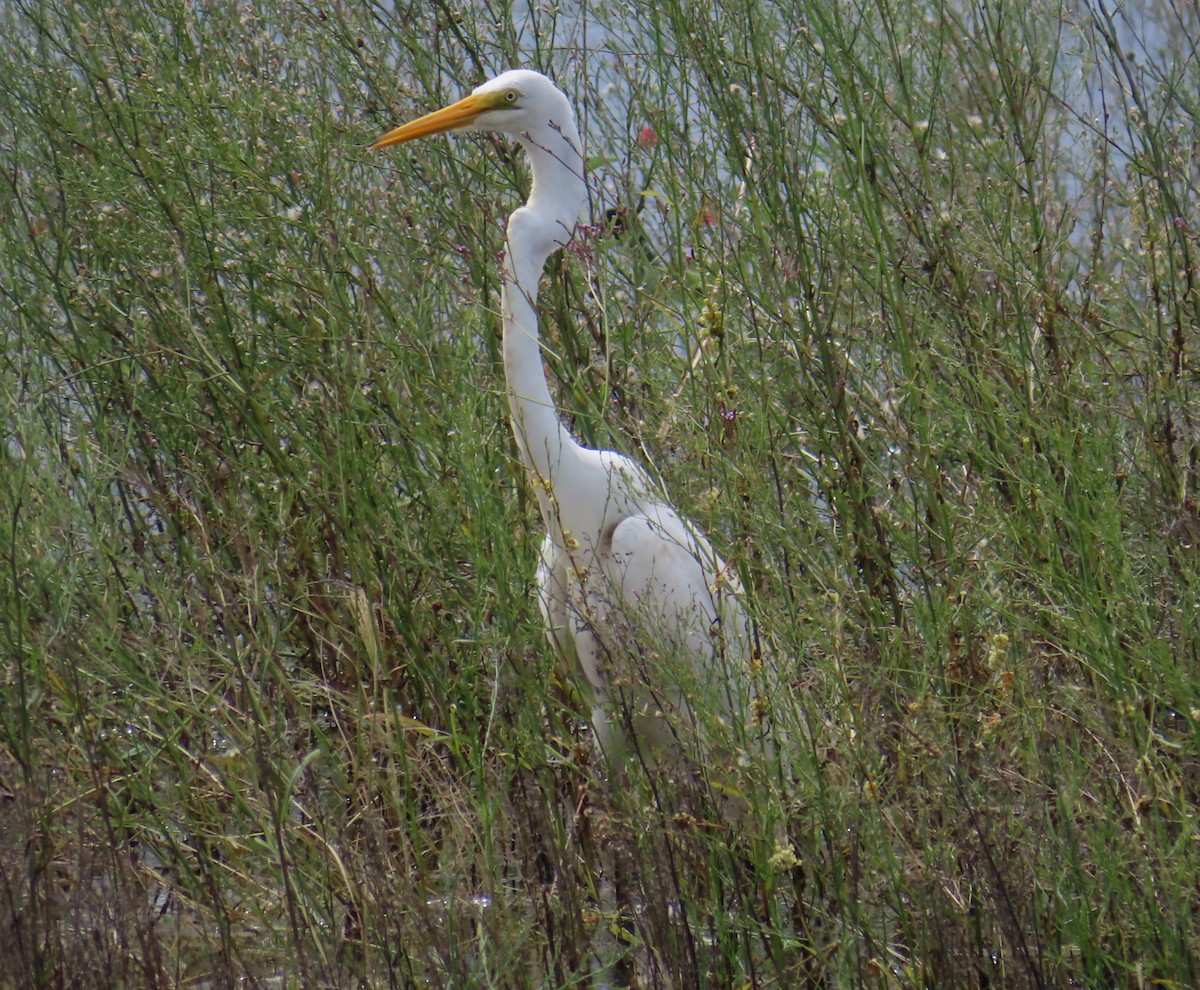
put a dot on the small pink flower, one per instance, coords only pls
(648, 138)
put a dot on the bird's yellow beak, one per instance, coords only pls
(447, 119)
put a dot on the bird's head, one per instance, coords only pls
(517, 102)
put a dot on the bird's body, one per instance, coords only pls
(635, 599)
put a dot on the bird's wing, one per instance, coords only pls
(686, 605)
(552, 593)
(570, 627)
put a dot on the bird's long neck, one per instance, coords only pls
(545, 223)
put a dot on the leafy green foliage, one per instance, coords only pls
(899, 300)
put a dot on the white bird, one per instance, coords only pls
(634, 597)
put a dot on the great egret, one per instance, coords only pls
(634, 596)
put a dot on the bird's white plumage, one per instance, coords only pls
(635, 599)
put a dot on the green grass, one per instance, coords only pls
(903, 311)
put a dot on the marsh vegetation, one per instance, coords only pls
(898, 300)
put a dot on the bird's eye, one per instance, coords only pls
(511, 96)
